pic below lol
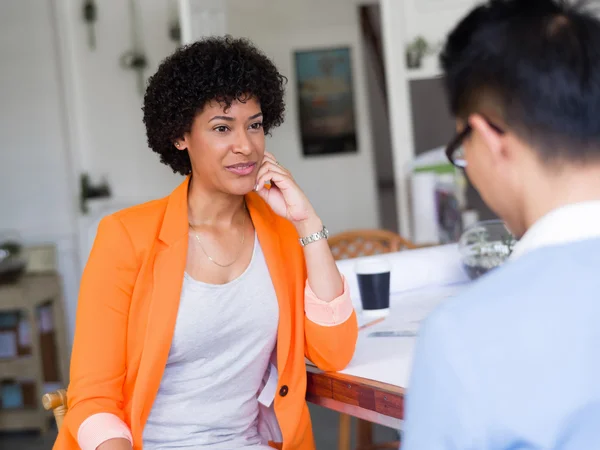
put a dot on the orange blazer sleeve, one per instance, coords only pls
(331, 348)
(98, 361)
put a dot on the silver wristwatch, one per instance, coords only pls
(323, 234)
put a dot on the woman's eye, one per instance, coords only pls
(256, 126)
(221, 129)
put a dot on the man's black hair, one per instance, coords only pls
(538, 63)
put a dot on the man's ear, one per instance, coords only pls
(490, 137)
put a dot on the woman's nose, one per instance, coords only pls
(243, 144)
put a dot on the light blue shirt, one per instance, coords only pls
(513, 363)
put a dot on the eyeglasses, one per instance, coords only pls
(455, 151)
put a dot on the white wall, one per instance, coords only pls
(36, 191)
(33, 163)
(341, 187)
(105, 101)
(433, 19)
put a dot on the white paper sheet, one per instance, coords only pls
(389, 359)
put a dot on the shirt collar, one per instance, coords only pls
(570, 223)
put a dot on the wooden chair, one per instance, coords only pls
(57, 403)
(353, 244)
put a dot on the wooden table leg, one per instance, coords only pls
(345, 432)
(364, 434)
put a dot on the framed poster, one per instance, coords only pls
(326, 101)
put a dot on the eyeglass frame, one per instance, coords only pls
(457, 141)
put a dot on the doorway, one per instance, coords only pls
(371, 36)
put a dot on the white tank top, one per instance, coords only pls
(224, 337)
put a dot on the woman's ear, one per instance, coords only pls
(181, 144)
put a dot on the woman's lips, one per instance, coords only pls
(242, 168)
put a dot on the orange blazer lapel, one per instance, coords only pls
(167, 275)
(264, 223)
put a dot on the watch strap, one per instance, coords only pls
(322, 234)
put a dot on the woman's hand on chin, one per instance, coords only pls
(278, 188)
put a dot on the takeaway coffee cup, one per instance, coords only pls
(374, 284)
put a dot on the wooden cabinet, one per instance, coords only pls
(45, 357)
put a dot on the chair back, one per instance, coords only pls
(367, 242)
(57, 403)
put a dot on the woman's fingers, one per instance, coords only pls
(269, 157)
(268, 165)
(267, 172)
(272, 174)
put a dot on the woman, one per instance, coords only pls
(196, 311)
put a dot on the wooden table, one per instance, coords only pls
(365, 399)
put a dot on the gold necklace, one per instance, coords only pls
(210, 257)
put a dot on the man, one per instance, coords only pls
(514, 362)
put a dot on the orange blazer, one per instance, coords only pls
(128, 302)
